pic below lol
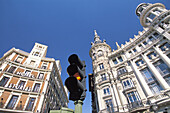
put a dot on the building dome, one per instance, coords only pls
(140, 8)
(148, 12)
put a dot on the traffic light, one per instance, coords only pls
(76, 82)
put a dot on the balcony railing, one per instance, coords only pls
(25, 74)
(107, 110)
(101, 80)
(20, 106)
(22, 88)
(135, 105)
(127, 88)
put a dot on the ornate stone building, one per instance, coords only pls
(135, 77)
(30, 82)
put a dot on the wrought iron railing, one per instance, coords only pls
(135, 105)
(103, 79)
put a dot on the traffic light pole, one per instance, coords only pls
(78, 106)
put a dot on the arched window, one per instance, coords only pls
(100, 53)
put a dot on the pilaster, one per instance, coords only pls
(156, 73)
(142, 80)
(163, 56)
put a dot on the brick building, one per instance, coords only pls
(31, 82)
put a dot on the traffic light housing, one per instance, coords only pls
(76, 82)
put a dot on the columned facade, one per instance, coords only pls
(136, 76)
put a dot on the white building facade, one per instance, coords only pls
(136, 76)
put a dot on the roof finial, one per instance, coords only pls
(95, 33)
(118, 47)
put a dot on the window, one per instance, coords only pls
(140, 9)
(19, 59)
(139, 62)
(134, 50)
(12, 102)
(155, 34)
(36, 53)
(151, 38)
(36, 87)
(157, 11)
(120, 59)
(94, 56)
(21, 84)
(30, 104)
(32, 62)
(133, 96)
(115, 61)
(147, 74)
(127, 84)
(130, 52)
(103, 77)
(167, 78)
(100, 53)
(12, 69)
(162, 67)
(109, 106)
(101, 66)
(27, 73)
(44, 65)
(151, 55)
(106, 91)
(121, 71)
(151, 16)
(40, 76)
(165, 46)
(140, 46)
(4, 81)
(145, 43)
(155, 87)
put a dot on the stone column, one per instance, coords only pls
(114, 98)
(156, 73)
(141, 80)
(163, 56)
(96, 102)
(122, 98)
(99, 98)
(116, 95)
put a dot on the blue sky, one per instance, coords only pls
(66, 27)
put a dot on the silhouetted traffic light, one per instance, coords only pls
(76, 83)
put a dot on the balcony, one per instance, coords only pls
(21, 88)
(107, 110)
(129, 87)
(103, 80)
(22, 74)
(10, 109)
(25, 74)
(134, 106)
